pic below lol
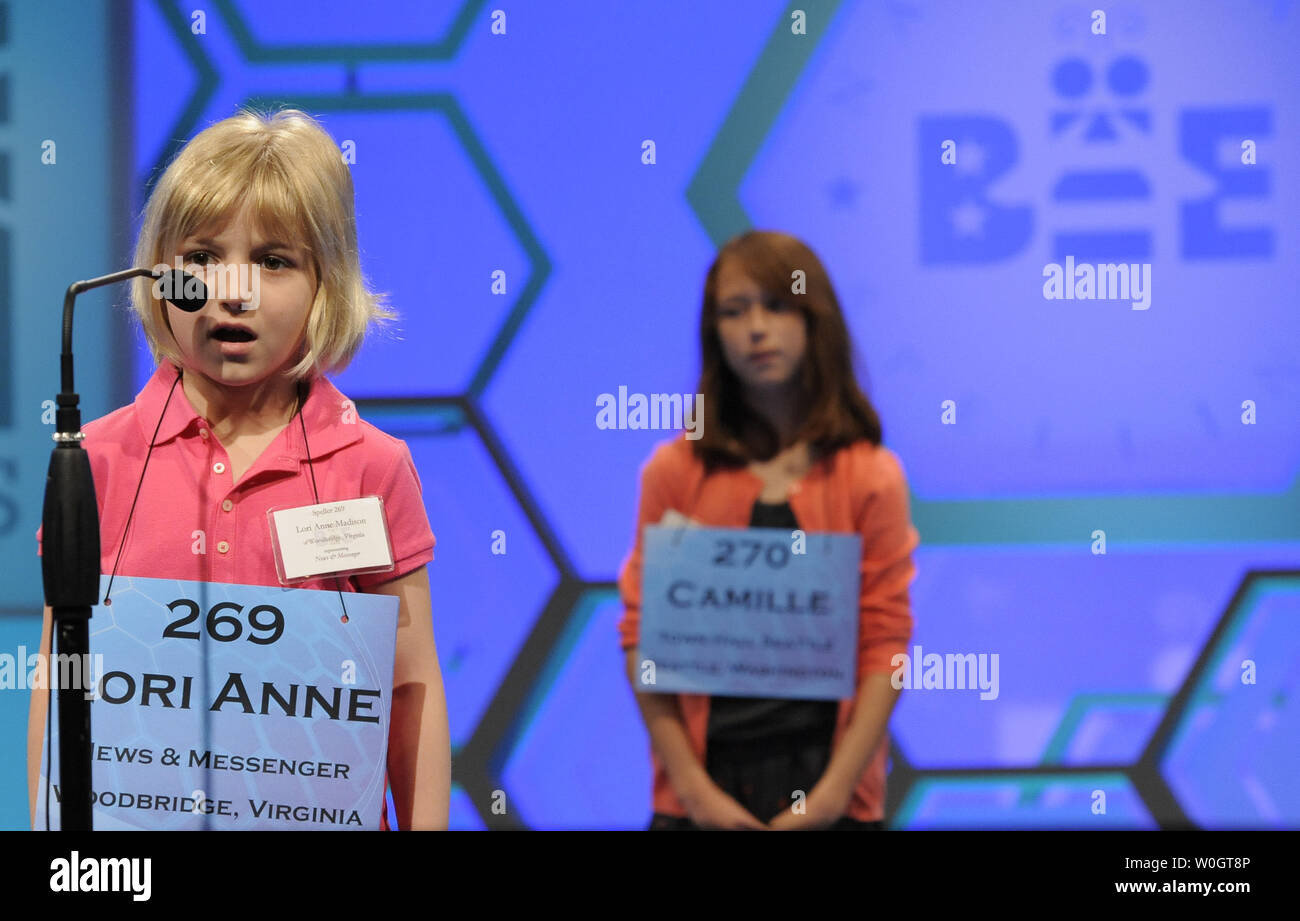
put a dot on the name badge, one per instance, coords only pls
(232, 707)
(331, 538)
(749, 612)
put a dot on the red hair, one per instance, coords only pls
(836, 411)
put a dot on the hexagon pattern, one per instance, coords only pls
(497, 164)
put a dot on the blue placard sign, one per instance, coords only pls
(749, 612)
(218, 706)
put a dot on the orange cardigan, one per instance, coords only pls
(858, 489)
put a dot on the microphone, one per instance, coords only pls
(181, 289)
(71, 557)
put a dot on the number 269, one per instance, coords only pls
(226, 628)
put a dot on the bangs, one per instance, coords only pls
(762, 259)
(285, 169)
(836, 412)
(213, 195)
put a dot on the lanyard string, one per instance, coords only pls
(152, 441)
(311, 468)
(131, 514)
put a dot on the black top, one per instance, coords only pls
(749, 719)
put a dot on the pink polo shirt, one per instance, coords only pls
(193, 522)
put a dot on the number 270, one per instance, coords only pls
(776, 555)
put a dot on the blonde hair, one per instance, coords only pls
(287, 168)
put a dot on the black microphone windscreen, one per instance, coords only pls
(182, 289)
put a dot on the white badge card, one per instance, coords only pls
(331, 538)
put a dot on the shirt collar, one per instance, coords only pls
(331, 419)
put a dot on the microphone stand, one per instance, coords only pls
(70, 570)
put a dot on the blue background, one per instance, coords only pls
(522, 152)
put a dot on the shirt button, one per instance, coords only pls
(218, 467)
(223, 546)
(227, 505)
(203, 433)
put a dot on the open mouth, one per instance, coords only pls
(231, 334)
